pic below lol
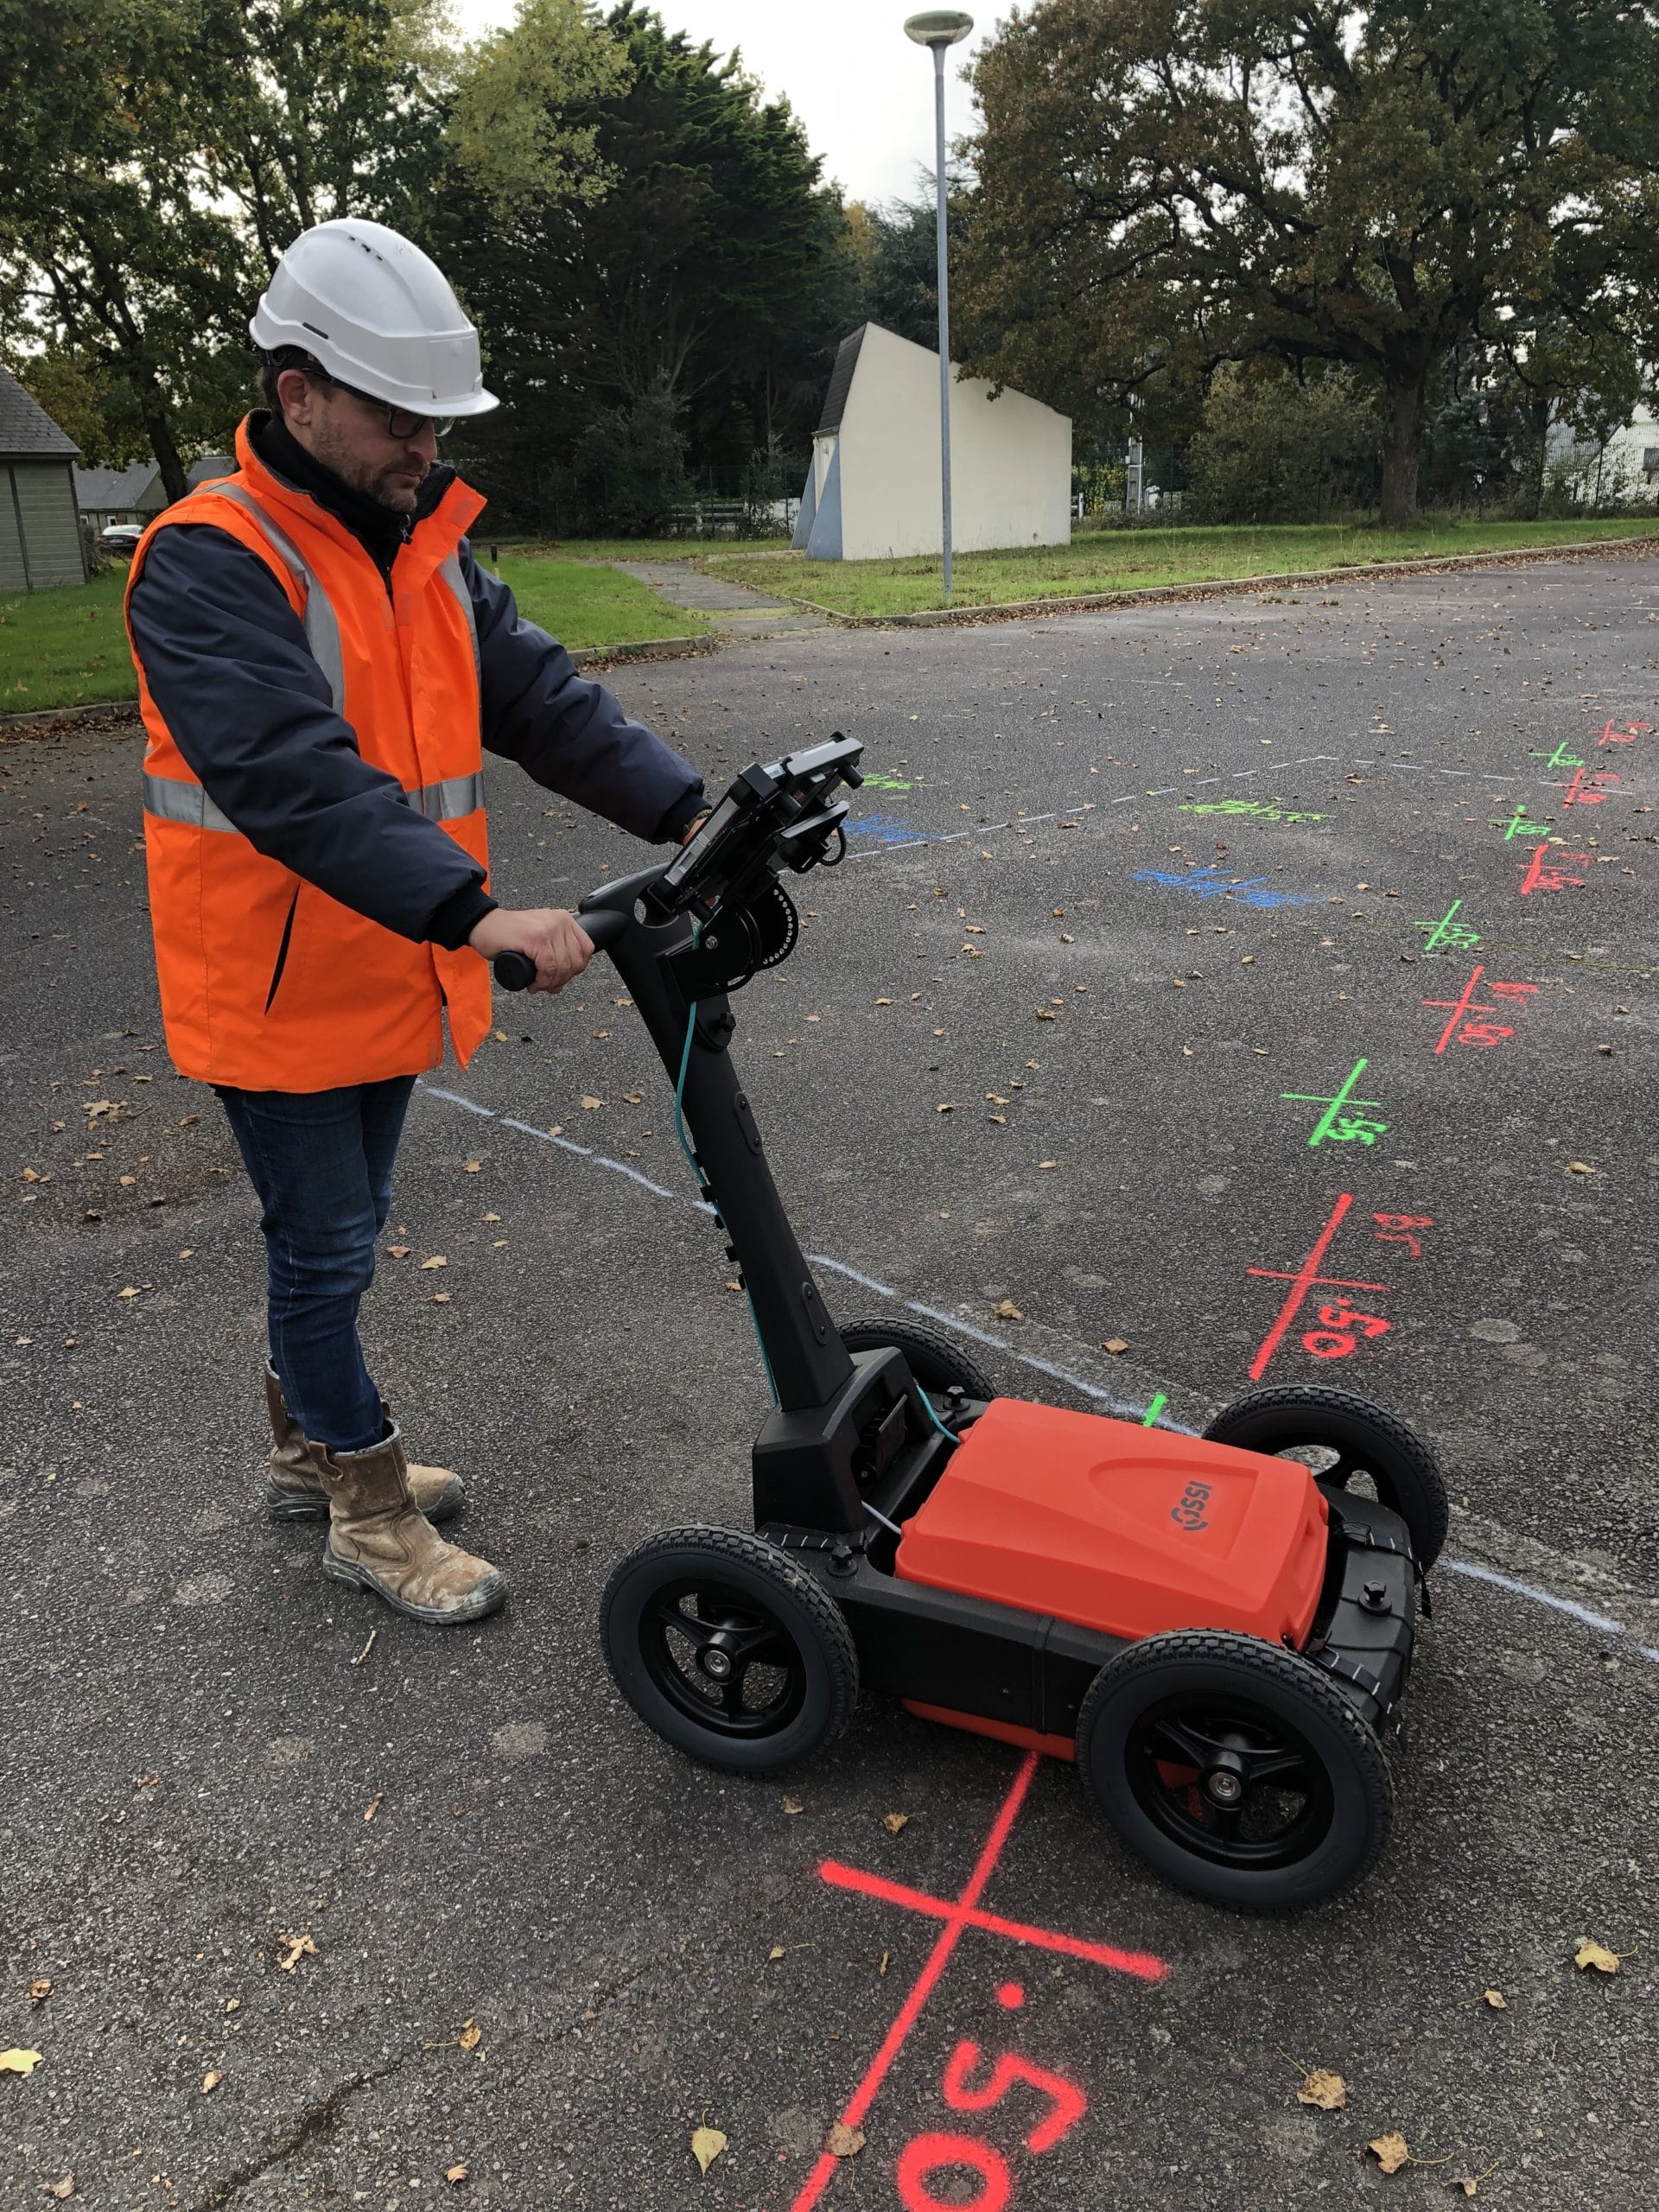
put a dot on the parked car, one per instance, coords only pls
(119, 537)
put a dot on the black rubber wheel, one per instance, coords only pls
(935, 1362)
(1236, 1769)
(1352, 1438)
(729, 1649)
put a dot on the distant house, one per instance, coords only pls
(107, 495)
(1623, 472)
(135, 494)
(40, 531)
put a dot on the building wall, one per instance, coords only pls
(1627, 469)
(1010, 467)
(39, 529)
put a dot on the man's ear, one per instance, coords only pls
(299, 396)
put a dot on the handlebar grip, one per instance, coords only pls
(514, 971)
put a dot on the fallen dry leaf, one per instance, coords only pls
(437, 1259)
(1497, 1999)
(211, 2079)
(19, 2062)
(1322, 2089)
(844, 2142)
(1114, 1344)
(128, 1293)
(1043, 1014)
(473, 1165)
(894, 1822)
(633, 1098)
(883, 1001)
(374, 1804)
(400, 1251)
(456, 2174)
(707, 2144)
(1391, 2152)
(440, 1298)
(1006, 1309)
(61, 2188)
(232, 2005)
(299, 1946)
(1597, 1955)
(591, 1103)
(40, 1989)
(471, 2036)
(793, 1805)
(1048, 1163)
(775, 1954)
(949, 1107)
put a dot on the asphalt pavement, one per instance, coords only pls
(336, 1911)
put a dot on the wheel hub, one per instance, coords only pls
(1225, 1786)
(715, 1663)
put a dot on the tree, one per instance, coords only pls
(139, 221)
(107, 248)
(899, 253)
(1270, 448)
(716, 275)
(1166, 185)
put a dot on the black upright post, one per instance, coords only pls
(810, 1364)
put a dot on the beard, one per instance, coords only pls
(394, 485)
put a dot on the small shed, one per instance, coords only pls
(39, 524)
(873, 491)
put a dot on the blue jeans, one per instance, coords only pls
(322, 1163)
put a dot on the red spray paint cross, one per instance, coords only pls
(929, 2153)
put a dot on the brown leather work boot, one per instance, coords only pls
(377, 1540)
(294, 1489)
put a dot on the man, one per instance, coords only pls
(321, 665)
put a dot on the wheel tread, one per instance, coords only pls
(1228, 1648)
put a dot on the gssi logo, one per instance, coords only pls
(1189, 1513)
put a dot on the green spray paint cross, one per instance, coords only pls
(1448, 931)
(1338, 1122)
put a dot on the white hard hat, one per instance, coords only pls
(376, 313)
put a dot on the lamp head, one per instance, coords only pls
(939, 27)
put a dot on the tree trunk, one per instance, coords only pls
(1402, 446)
(159, 431)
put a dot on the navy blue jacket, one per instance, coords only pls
(227, 665)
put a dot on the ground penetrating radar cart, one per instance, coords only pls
(1217, 1630)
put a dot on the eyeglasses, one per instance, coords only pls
(401, 423)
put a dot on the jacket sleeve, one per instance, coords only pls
(228, 667)
(569, 734)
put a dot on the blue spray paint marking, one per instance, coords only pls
(1210, 883)
(884, 829)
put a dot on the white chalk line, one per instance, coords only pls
(1599, 1622)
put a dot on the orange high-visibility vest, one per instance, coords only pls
(267, 983)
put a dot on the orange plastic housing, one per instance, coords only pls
(1127, 1530)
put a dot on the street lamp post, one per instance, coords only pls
(940, 28)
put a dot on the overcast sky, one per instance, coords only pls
(864, 92)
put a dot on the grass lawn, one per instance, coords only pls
(1134, 560)
(68, 648)
(636, 548)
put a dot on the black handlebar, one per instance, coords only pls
(516, 971)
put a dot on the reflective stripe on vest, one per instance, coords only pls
(322, 625)
(449, 570)
(171, 800)
(447, 801)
